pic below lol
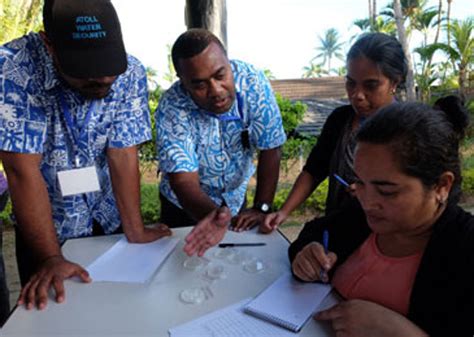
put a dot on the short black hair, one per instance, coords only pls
(423, 139)
(385, 51)
(192, 43)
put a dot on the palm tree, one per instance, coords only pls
(381, 25)
(424, 22)
(341, 71)
(410, 84)
(330, 47)
(428, 68)
(151, 75)
(443, 68)
(425, 78)
(371, 13)
(313, 70)
(440, 11)
(461, 52)
(410, 9)
(269, 74)
(448, 22)
(170, 76)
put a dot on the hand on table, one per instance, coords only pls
(247, 219)
(272, 221)
(208, 232)
(358, 318)
(51, 273)
(311, 260)
(150, 234)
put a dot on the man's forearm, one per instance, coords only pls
(31, 205)
(125, 177)
(268, 172)
(190, 195)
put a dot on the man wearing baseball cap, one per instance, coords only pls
(73, 108)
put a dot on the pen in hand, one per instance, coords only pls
(342, 181)
(322, 273)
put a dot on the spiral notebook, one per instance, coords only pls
(287, 302)
(230, 321)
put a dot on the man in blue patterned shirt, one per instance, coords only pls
(209, 125)
(73, 108)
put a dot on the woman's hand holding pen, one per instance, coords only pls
(312, 263)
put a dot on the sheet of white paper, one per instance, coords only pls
(131, 262)
(77, 181)
(229, 322)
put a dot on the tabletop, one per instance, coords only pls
(150, 309)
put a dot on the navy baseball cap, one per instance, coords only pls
(86, 37)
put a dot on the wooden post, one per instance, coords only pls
(208, 14)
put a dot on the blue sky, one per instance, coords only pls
(280, 35)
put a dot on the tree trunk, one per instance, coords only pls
(370, 15)
(428, 65)
(448, 22)
(462, 82)
(438, 28)
(208, 14)
(410, 83)
(448, 29)
(374, 11)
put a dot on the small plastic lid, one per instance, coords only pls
(194, 263)
(224, 253)
(255, 265)
(192, 295)
(215, 272)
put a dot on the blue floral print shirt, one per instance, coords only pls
(32, 120)
(190, 139)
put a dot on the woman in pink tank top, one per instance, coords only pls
(404, 264)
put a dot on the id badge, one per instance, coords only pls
(76, 181)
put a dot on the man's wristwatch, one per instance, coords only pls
(262, 207)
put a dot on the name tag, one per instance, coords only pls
(78, 181)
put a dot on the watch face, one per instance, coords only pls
(265, 207)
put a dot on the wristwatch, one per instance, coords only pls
(262, 207)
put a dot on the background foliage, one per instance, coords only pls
(19, 17)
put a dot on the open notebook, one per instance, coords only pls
(230, 321)
(288, 302)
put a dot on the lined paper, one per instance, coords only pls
(229, 322)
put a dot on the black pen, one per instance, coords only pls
(245, 244)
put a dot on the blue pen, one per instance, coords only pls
(325, 241)
(322, 273)
(342, 181)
